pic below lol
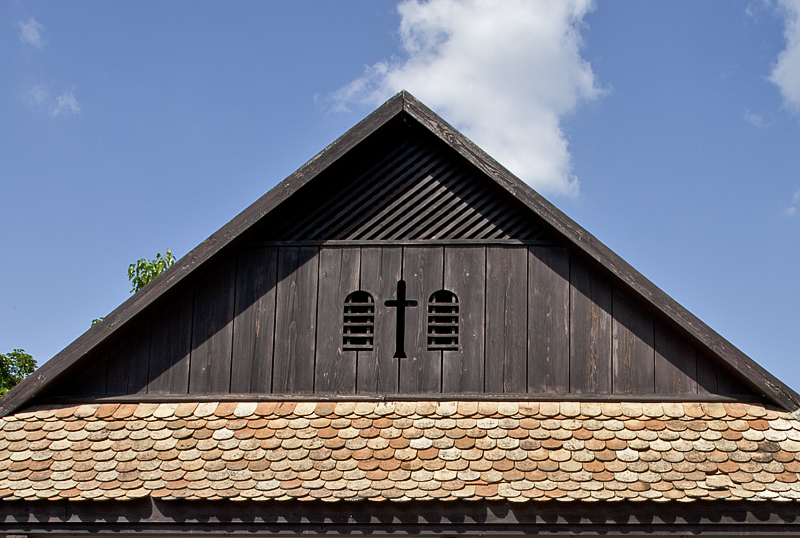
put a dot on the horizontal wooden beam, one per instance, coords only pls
(261, 518)
(389, 243)
(549, 397)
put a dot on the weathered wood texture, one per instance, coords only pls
(548, 320)
(156, 517)
(423, 272)
(295, 320)
(378, 370)
(590, 330)
(532, 320)
(407, 188)
(506, 319)
(170, 346)
(633, 351)
(465, 275)
(254, 321)
(212, 332)
(128, 363)
(335, 369)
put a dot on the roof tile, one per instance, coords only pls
(423, 450)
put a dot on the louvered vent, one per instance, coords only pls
(413, 190)
(359, 322)
(443, 321)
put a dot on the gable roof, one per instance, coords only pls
(406, 106)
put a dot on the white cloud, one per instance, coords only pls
(66, 104)
(38, 96)
(786, 71)
(792, 209)
(31, 32)
(503, 72)
(41, 100)
(756, 120)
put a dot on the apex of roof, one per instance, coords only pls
(406, 106)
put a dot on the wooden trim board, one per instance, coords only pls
(156, 517)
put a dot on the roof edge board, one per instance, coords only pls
(771, 387)
(49, 371)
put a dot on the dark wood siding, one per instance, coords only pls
(335, 369)
(548, 320)
(378, 371)
(212, 332)
(633, 351)
(532, 319)
(295, 320)
(254, 321)
(126, 373)
(465, 275)
(590, 330)
(170, 347)
(407, 189)
(506, 319)
(423, 272)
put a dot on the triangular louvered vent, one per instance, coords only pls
(414, 190)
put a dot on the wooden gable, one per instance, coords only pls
(540, 306)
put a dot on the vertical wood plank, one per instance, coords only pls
(128, 363)
(295, 322)
(254, 320)
(88, 379)
(590, 330)
(633, 353)
(170, 346)
(676, 363)
(465, 275)
(378, 370)
(423, 272)
(728, 383)
(335, 369)
(548, 320)
(212, 332)
(506, 319)
(706, 375)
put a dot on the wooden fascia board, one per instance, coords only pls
(189, 263)
(468, 517)
(631, 279)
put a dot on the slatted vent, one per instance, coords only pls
(414, 190)
(359, 322)
(443, 321)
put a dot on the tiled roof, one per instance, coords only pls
(401, 450)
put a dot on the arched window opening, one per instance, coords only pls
(443, 321)
(359, 322)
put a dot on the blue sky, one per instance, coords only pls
(671, 131)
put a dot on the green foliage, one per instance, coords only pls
(14, 367)
(143, 271)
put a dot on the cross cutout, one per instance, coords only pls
(401, 305)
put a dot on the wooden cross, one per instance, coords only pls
(401, 305)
